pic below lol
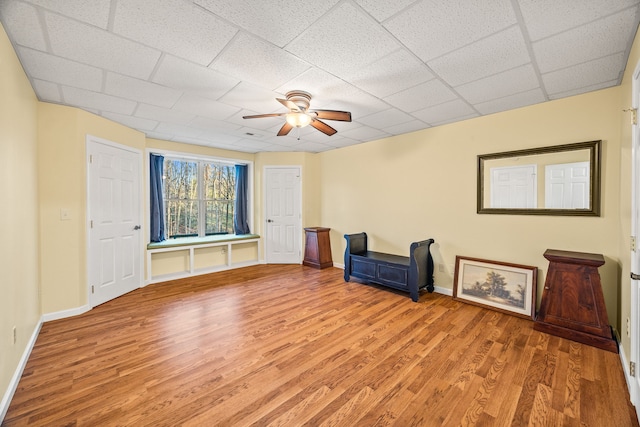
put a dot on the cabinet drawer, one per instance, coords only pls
(362, 268)
(393, 275)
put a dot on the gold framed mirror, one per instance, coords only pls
(554, 180)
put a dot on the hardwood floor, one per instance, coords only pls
(286, 345)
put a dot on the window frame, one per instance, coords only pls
(191, 157)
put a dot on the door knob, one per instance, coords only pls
(137, 227)
(269, 220)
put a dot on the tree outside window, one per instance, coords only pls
(199, 197)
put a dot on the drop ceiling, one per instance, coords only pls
(187, 71)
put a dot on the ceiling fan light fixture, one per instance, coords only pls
(298, 120)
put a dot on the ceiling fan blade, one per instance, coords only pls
(257, 116)
(323, 127)
(285, 129)
(343, 116)
(289, 104)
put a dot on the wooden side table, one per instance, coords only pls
(572, 303)
(317, 252)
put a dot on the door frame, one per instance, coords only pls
(634, 326)
(90, 140)
(264, 208)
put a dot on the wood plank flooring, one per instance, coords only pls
(286, 345)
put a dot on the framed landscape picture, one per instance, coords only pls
(509, 288)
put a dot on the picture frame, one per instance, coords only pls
(501, 286)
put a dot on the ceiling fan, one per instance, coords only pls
(300, 116)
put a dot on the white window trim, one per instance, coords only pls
(198, 157)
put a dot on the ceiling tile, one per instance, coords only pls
(584, 75)
(158, 135)
(323, 86)
(426, 94)
(246, 94)
(510, 82)
(364, 133)
(211, 125)
(358, 102)
(140, 90)
(217, 138)
(278, 21)
(182, 130)
(99, 48)
(511, 102)
(132, 122)
(411, 126)
(387, 118)
(152, 112)
(94, 12)
(204, 107)
(395, 72)
(26, 22)
(250, 144)
(583, 89)
(585, 43)
(382, 10)
(446, 112)
(544, 18)
(339, 141)
(429, 30)
(256, 61)
(63, 71)
(186, 76)
(491, 55)
(177, 27)
(342, 41)
(95, 100)
(47, 91)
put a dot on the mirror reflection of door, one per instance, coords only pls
(567, 186)
(514, 187)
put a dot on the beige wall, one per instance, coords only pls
(423, 185)
(63, 185)
(19, 272)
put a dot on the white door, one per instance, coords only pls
(283, 215)
(114, 213)
(566, 186)
(514, 187)
(634, 332)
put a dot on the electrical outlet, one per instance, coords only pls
(441, 268)
(628, 328)
(15, 335)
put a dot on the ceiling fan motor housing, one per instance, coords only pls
(300, 98)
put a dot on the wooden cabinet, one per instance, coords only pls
(317, 251)
(572, 303)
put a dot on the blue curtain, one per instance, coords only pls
(240, 223)
(157, 208)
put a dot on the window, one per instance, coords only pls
(199, 197)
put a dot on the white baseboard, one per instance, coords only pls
(443, 291)
(13, 384)
(65, 313)
(632, 384)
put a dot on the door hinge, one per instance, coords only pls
(632, 369)
(633, 243)
(93, 291)
(634, 115)
(90, 158)
(91, 223)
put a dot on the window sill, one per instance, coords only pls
(194, 241)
